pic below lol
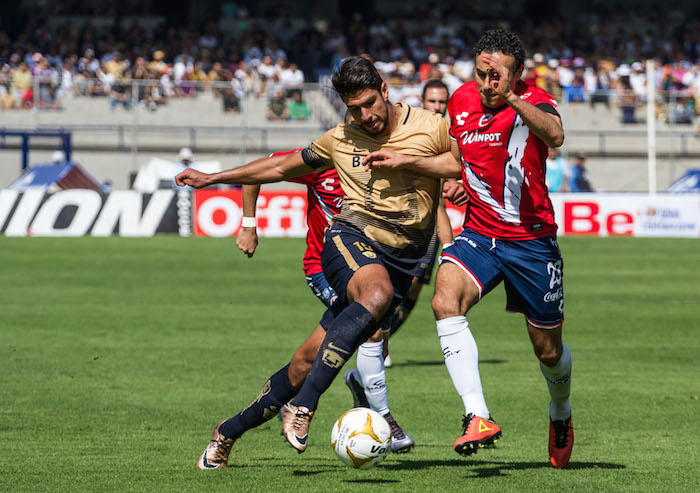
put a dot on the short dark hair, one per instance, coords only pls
(355, 74)
(506, 42)
(435, 84)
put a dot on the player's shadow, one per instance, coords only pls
(412, 362)
(491, 468)
(372, 481)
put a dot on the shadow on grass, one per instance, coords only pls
(372, 481)
(492, 468)
(412, 362)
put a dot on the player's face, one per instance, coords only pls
(370, 109)
(484, 74)
(436, 100)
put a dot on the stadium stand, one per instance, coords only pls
(137, 79)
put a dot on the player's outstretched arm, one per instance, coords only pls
(441, 166)
(444, 228)
(247, 239)
(265, 170)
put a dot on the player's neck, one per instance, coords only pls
(394, 115)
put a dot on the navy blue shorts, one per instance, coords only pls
(532, 271)
(428, 266)
(320, 287)
(344, 252)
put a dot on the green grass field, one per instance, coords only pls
(119, 355)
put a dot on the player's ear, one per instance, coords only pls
(518, 73)
(385, 91)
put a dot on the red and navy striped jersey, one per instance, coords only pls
(503, 163)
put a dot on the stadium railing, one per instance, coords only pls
(160, 115)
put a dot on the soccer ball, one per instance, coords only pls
(361, 438)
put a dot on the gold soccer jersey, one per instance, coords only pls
(395, 208)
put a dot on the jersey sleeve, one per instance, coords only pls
(451, 113)
(540, 96)
(319, 155)
(442, 136)
(308, 180)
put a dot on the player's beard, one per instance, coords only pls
(491, 100)
(382, 123)
(375, 130)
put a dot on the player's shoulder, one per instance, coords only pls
(423, 115)
(468, 90)
(348, 132)
(466, 95)
(534, 94)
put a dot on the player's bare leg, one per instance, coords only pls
(455, 294)
(303, 358)
(402, 312)
(555, 364)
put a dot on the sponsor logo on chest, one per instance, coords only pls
(478, 137)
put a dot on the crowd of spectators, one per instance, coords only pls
(599, 64)
(565, 177)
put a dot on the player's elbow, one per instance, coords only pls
(454, 172)
(557, 140)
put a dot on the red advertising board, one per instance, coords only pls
(282, 213)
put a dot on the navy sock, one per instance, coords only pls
(276, 392)
(350, 328)
(401, 314)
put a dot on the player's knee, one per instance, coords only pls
(548, 354)
(376, 298)
(376, 337)
(445, 306)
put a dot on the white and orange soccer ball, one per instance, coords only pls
(361, 438)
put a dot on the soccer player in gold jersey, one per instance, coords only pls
(373, 249)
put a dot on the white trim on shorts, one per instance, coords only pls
(455, 260)
(539, 325)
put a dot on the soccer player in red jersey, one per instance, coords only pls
(501, 129)
(324, 199)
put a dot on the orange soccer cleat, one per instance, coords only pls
(561, 441)
(478, 432)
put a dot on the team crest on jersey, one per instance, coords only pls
(485, 119)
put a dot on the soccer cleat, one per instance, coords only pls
(561, 441)
(359, 399)
(478, 432)
(295, 425)
(400, 442)
(387, 361)
(216, 454)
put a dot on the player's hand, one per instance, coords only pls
(455, 192)
(247, 241)
(385, 159)
(499, 80)
(193, 178)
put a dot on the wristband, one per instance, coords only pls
(249, 222)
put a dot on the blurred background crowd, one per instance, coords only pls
(131, 53)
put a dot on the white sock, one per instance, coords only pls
(559, 382)
(371, 373)
(462, 362)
